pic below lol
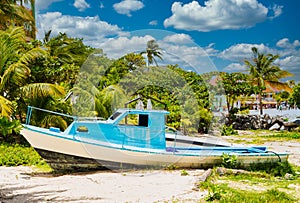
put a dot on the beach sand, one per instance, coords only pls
(25, 184)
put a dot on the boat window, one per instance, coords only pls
(115, 115)
(135, 120)
(82, 129)
(143, 120)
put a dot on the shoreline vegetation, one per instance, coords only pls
(277, 183)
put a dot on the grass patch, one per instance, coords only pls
(16, 155)
(262, 136)
(271, 195)
(237, 188)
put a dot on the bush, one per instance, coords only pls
(228, 130)
(273, 168)
(230, 161)
(16, 155)
(9, 127)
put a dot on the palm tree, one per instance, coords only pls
(12, 13)
(152, 51)
(15, 61)
(262, 69)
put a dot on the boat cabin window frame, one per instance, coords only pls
(141, 120)
(115, 115)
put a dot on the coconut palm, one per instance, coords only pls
(13, 13)
(263, 69)
(15, 64)
(153, 50)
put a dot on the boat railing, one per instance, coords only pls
(30, 108)
(76, 118)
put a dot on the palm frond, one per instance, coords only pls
(36, 90)
(6, 107)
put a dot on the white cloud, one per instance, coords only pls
(189, 56)
(292, 62)
(81, 5)
(289, 53)
(91, 29)
(240, 52)
(178, 39)
(117, 47)
(40, 4)
(127, 6)
(153, 22)
(277, 11)
(235, 67)
(218, 15)
(285, 43)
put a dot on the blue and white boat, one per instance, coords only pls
(129, 138)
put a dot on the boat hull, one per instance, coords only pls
(64, 153)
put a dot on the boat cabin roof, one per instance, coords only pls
(116, 116)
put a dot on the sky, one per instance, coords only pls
(201, 36)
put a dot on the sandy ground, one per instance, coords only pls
(19, 185)
(23, 184)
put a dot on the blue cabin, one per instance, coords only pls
(126, 127)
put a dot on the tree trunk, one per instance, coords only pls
(260, 103)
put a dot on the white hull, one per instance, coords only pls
(156, 158)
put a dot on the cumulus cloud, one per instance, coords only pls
(188, 56)
(40, 5)
(235, 67)
(289, 53)
(81, 5)
(117, 47)
(127, 6)
(243, 51)
(218, 15)
(178, 39)
(91, 29)
(285, 43)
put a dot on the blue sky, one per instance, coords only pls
(198, 35)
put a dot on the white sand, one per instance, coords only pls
(17, 185)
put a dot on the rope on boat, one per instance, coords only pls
(275, 154)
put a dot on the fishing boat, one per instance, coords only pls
(130, 138)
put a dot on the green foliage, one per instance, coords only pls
(229, 188)
(15, 155)
(184, 172)
(230, 161)
(228, 130)
(295, 97)
(237, 195)
(214, 193)
(235, 85)
(272, 168)
(9, 127)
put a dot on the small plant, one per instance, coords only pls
(171, 167)
(214, 193)
(184, 173)
(228, 130)
(229, 161)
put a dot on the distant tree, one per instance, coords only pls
(153, 50)
(235, 85)
(262, 69)
(295, 96)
